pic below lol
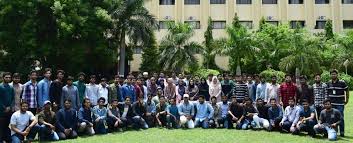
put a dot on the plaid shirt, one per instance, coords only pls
(320, 94)
(29, 94)
(286, 91)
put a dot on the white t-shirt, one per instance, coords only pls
(21, 121)
(103, 92)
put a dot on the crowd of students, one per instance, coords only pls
(56, 110)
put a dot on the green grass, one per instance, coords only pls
(156, 135)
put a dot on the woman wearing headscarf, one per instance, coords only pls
(215, 89)
(204, 89)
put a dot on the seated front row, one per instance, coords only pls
(68, 123)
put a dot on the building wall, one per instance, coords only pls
(282, 12)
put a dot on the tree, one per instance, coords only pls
(238, 45)
(149, 57)
(209, 45)
(302, 53)
(134, 21)
(177, 51)
(328, 30)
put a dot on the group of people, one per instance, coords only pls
(58, 110)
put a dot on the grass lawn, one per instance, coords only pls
(156, 135)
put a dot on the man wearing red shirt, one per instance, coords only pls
(287, 90)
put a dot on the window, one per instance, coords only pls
(246, 24)
(217, 1)
(294, 24)
(322, 1)
(218, 24)
(295, 1)
(243, 1)
(347, 24)
(194, 24)
(269, 1)
(320, 24)
(137, 50)
(166, 2)
(164, 24)
(347, 1)
(275, 23)
(191, 2)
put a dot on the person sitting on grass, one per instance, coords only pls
(172, 114)
(224, 108)
(126, 112)
(66, 122)
(307, 118)
(275, 115)
(204, 112)
(290, 117)
(150, 111)
(330, 118)
(186, 112)
(236, 114)
(23, 125)
(100, 116)
(85, 118)
(216, 113)
(262, 108)
(46, 120)
(161, 112)
(139, 112)
(114, 122)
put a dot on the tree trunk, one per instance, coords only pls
(122, 54)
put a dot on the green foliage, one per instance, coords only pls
(267, 74)
(177, 51)
(329, 30)
(205, 72)
(150, 57)
(209, 46)
(326, 77)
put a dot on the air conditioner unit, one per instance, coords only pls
(270, 18)
(321, 18)
(167, 17)
(191, 18)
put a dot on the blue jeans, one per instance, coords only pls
(139, 122)
(45, 133)
(17, 138)
(331, 133)
(341, 109)
(224, 121)
(172, 122)
(203, 124)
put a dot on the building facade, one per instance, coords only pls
(312, 14)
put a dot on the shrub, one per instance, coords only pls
(205, 72)
(267, 74)
(325, 77)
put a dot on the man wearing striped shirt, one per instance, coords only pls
(320, 93)
(30, 92)
(338, 93)
(240, 89)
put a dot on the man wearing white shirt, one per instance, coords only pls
(261, 89)
(103, 90)
(92, 90)
(272, 90)
(290, 117)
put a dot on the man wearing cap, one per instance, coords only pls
(204, 112)
(46, 121)
(81, 86)
(70, 91)
(186, 112)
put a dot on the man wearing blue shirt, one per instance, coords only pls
(275, 115)
(204, 112)
(186, 112)
(172, 114)
(290, 117)
(100, 116)
(43, 88)
(128, 90)
(307, 118)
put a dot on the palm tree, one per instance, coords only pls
(177, 51)
(303, 53)
(238, 45)
(132, 20)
